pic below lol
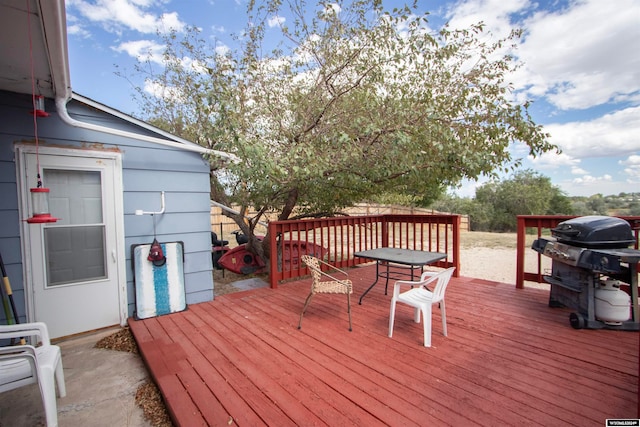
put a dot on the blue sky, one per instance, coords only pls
(581, 69)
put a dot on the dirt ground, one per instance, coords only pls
(223, 281)
(490, 256)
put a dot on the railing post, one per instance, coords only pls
(273, 256)
(520, 246)
(456, 245)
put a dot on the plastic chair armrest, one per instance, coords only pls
(17, 350)
(22, 330)
(426, 275)
(399, 283)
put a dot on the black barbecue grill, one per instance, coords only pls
(591, 265)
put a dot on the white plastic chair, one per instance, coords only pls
(421, 299)
(21, 365)
(333, 286)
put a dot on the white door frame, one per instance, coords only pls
(23, 211)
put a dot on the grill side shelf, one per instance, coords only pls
(539, 244)
(575, 286)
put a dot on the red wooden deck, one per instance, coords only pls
(509, 359)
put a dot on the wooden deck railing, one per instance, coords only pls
(338, 238)
(542, 224)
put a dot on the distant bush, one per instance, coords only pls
(497, 204)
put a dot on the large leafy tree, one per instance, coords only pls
(524, 193)
(354, 102)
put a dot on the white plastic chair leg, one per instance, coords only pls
(443, 313)
(392, 315)
(48, 392)
(426, 318)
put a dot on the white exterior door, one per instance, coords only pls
(75, 281)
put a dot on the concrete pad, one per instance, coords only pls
(101, 386)
(247, 284)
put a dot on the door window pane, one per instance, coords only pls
(75, 196)
(74, 254)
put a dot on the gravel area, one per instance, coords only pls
(148, 396)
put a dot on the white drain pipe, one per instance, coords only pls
(61, 106)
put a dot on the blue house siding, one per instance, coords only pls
(147, 170)
(9, 221)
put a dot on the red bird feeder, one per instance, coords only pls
(38, 105)
(40, 205)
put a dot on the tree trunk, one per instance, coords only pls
(264, 250)
(291, 202)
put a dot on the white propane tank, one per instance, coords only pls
(612, 305)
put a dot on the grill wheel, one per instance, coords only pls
(577, 321)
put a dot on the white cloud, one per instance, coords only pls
(582, 56)
(589, 185)
(163, 92)
(74, 27)
(149, 50)
(170, 21)
(614, 134)
(552, 160)
(576, 57)
(117, 15)
(631, 161)
(197, 66)
(78, 30)
(145, 50)
(495, 14)
(632, 168)
(222, 49)
(333, 8)
(589, 188)
(276, 21)
(588, 179)
(575, 170)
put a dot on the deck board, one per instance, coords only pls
(509, 359)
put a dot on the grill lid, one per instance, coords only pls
(595, 232)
